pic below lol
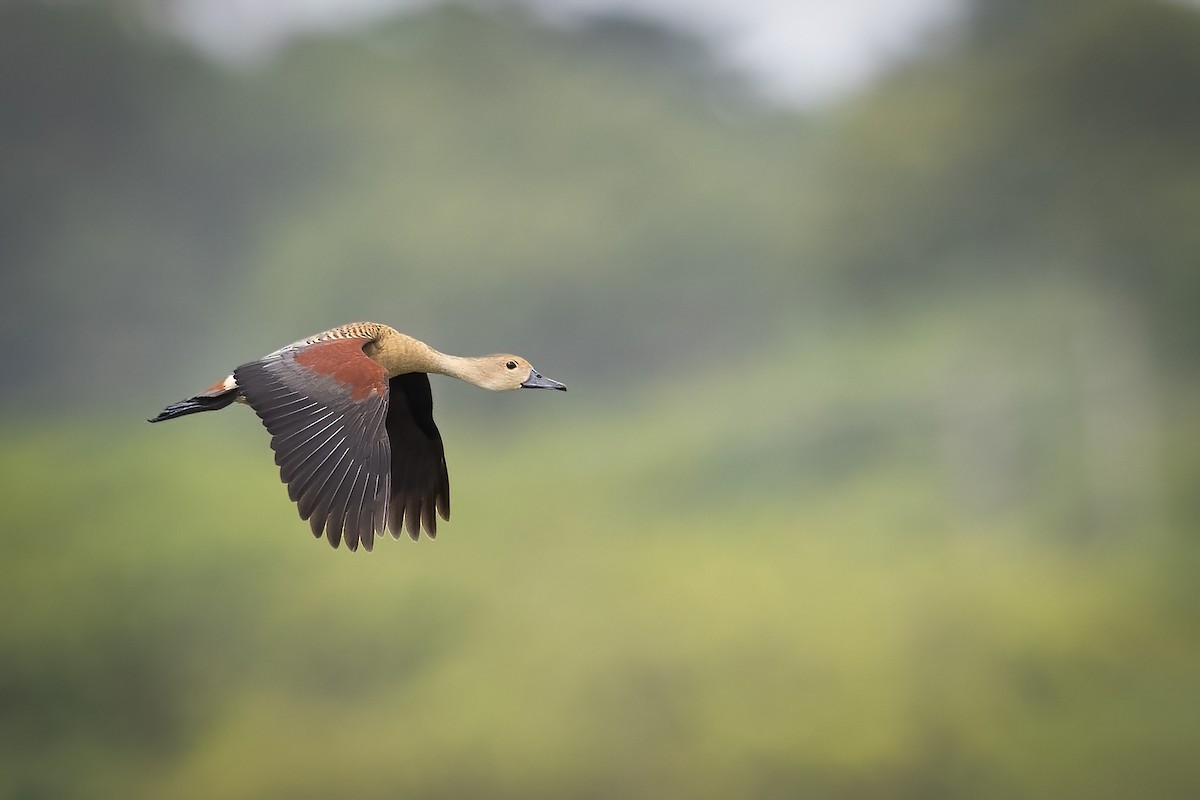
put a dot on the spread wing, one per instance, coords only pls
(325, 405)
(420, 483)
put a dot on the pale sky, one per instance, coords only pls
(800, 52)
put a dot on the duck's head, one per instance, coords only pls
(504, 371)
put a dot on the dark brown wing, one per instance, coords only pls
(325, 405)
(420, 483)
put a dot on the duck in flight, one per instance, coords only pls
(350, 415)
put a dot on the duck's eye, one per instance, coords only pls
(511, 365)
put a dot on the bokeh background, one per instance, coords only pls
(878, 476)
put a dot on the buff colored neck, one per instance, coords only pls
(399, 354)
(463, 368)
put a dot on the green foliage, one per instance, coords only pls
(812, 598)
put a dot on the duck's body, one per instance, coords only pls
(350, 415)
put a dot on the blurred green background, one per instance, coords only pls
(877, 477)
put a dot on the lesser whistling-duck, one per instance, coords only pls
(350, 415)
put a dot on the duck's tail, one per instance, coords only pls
(214, 399)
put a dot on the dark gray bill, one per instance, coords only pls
(537, 381)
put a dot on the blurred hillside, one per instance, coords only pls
(164, 214)
(876, 478)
